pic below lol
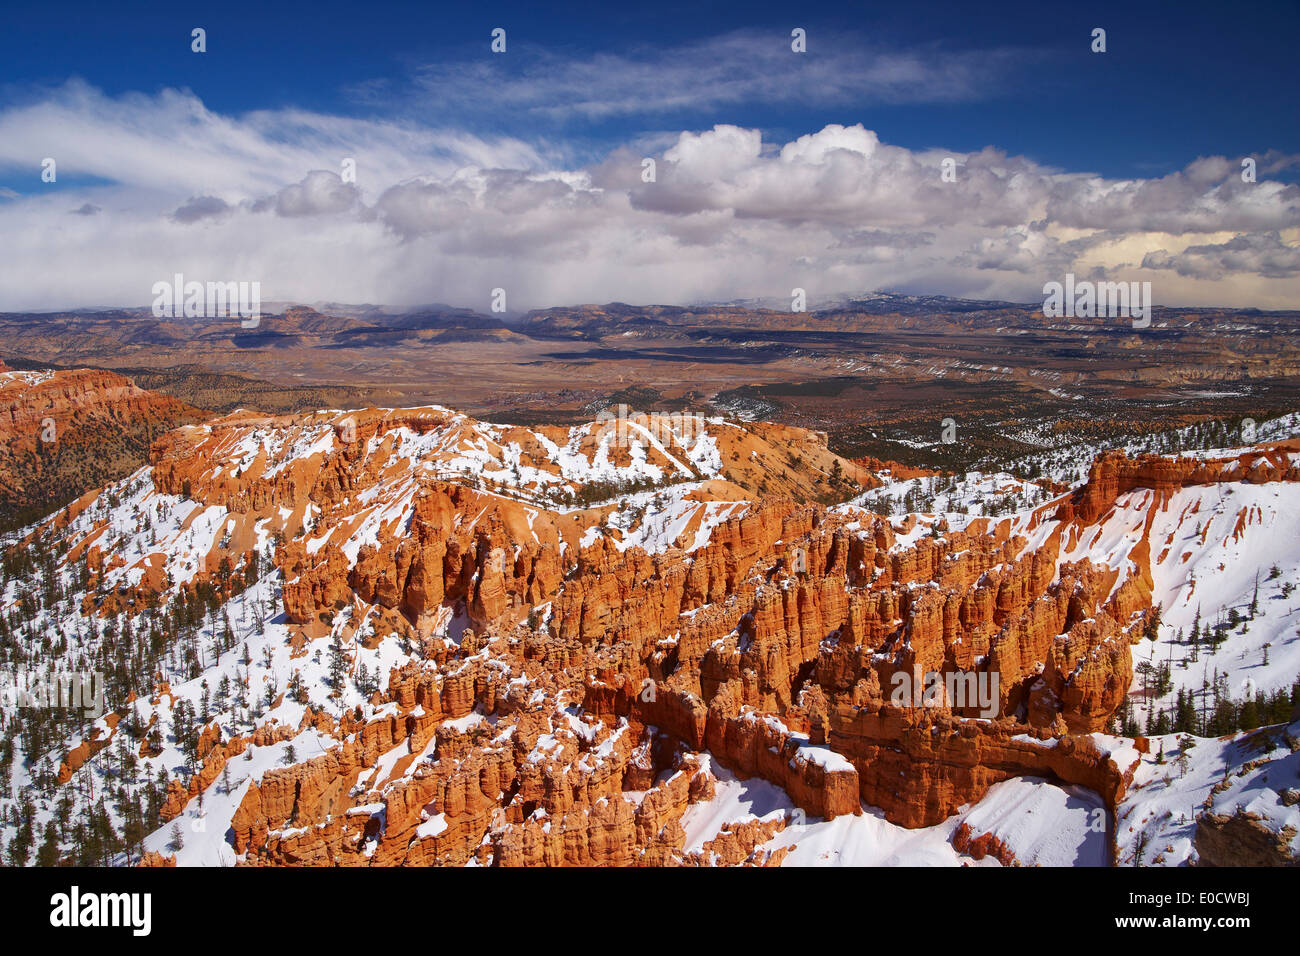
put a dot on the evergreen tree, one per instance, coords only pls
(1162, 726)
(48, 854)
(338, 666)
(1248, 718)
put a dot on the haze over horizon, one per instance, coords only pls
(826, 302)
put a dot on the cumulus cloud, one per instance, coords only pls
(446, 215)
(320, 193)
(841, 175)
(1207, 196)
(1265, 255)
(201, 207)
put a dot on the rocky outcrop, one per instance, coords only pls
(1242, 838)
(65, 432)
(58, 400)
(978, 846)
(1113, 474)
(774, 646)
(598, 666)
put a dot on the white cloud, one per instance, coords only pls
(1264, 255)
(444, 215)
(320, 193)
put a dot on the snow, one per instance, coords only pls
(27, 378)
(1041, 822)
(1209, 549)
(431, 827)
(1209, 545)
(203, 828)
(1184, 775)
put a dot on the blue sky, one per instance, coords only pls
(584, 92)
(1178, 79)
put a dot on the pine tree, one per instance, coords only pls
(1162, 727)
(1248, 719)
(1151, 629)
(338, 666)
(48, 854)
(1180, 712)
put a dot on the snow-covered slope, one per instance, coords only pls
(224, 696)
